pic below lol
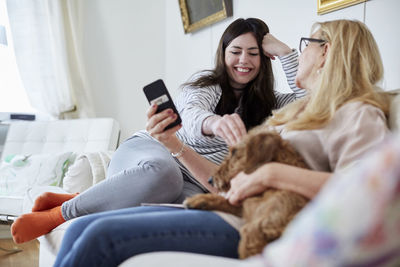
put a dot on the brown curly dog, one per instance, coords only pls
(267, 214)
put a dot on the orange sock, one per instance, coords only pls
(32, 225)
(49, 200)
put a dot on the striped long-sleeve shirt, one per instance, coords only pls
(196, 104)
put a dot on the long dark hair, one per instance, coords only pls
(258, 99)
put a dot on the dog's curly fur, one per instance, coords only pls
(267, 214)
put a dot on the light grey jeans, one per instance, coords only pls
(141, 171)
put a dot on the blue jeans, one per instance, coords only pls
(109, 238)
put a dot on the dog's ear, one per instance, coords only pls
(226, 171)
(261, 148)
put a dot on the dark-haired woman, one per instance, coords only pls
(217, 107)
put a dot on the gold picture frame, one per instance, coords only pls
(326, 6)
(199, 14)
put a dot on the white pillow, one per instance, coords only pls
(79, 176)
(18, 173)
(88, 169)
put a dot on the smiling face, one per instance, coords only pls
(242, 60)
(311, 59)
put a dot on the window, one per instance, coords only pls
(13, 97)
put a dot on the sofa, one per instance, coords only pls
(38, 154)
(50, 243)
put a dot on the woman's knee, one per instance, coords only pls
(164, 176)
(78, 225)
(101, 235)
(154, 179)
(162, 167)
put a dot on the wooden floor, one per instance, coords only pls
(28, 255)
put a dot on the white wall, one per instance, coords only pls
(130, 43)
(124, 48)
(382, 17)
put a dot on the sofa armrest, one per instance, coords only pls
(183, 259)
(51, 243)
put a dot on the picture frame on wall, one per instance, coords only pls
(199, 14)
(326, 6)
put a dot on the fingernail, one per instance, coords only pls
(169, 111)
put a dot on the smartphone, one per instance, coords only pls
(156, 92)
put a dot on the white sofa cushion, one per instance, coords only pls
(18, 173)
(10, 206)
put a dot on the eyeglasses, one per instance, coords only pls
(304, 42)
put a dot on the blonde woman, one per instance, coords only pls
(341, 119)
(343, 116)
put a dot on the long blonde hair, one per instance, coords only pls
(352, 68)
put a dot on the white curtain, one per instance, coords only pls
(46, 35)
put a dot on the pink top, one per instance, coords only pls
(355, 129)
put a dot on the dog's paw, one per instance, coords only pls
(212, 202)
(200, 202)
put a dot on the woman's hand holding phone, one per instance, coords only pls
(163, 119)
(156, 124)
(157, 93)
